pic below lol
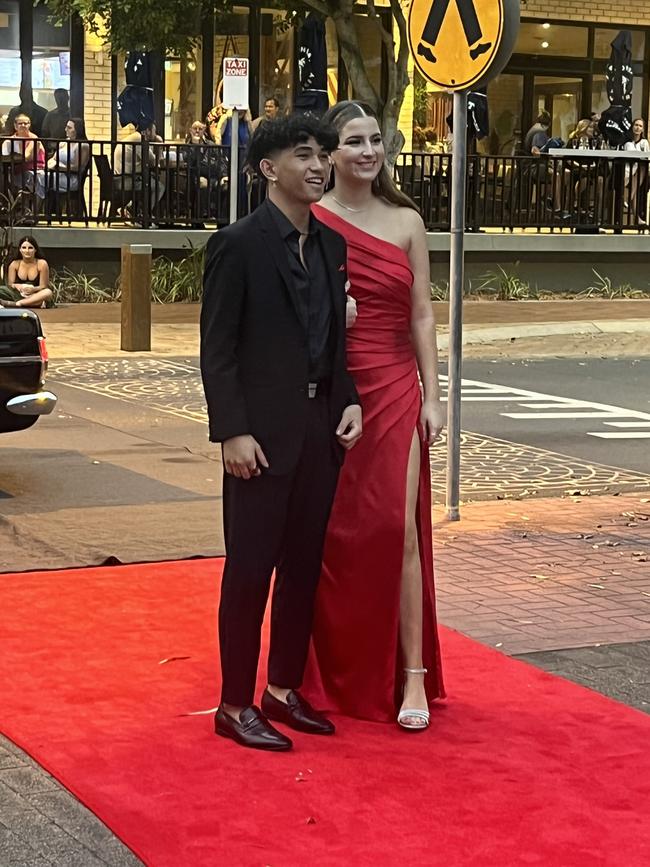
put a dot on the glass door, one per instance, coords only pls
(561, 96)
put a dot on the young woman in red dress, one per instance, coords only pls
(375, 652)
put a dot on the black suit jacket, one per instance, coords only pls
(254, 349)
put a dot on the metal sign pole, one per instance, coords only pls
(456, 286)
(234, 164)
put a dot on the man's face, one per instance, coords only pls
(270, 110)
(299, 173)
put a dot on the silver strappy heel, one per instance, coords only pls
(421, 714)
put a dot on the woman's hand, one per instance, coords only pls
(350, 312)
(432, 419)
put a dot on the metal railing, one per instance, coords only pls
(583, 192)
(141, 184)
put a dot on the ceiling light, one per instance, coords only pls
(546, 25)
(544, 44)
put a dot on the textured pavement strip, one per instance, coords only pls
(489, 466)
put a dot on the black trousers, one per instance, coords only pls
(275, 522)
(468, 18)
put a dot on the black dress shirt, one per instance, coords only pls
(309, 275)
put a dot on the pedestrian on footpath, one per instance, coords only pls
(283, 406)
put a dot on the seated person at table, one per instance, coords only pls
(69, 163)
(127, 165)
(28, 277)
(584, 176)
(636, 174)
(204, 161)
(207, 171)
(28, 157)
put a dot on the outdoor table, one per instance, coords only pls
(619, 158)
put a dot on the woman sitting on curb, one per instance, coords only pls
(28, 277)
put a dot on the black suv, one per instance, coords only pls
(23, 364)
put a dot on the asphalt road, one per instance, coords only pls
(127, 447)
(597, 411)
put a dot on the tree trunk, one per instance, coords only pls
(388, 112)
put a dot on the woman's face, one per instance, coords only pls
(360, 154)
(27, 250)
(638, 128)
(70, 130)
(22, 125)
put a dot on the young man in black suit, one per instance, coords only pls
(283, 406)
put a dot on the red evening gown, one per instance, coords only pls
(355, 665)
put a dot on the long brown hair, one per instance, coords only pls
(383, 185)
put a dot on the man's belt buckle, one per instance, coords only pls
(312, 389)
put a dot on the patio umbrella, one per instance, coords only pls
(478, 122)
(135, 103)
(312, 66)
(616, 121)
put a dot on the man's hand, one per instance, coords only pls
(242, 457)
(350, 427)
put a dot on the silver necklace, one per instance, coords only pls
(348, 208)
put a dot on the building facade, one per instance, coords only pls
(559, 65)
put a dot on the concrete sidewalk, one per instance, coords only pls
(93, 330)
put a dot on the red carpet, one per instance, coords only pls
(519, 768)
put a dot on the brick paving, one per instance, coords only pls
(547, 574)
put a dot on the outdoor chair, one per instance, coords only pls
(69, 203)
(110, 197)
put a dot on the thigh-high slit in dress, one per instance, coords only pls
(355, 665)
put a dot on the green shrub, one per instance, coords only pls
(75, 287)
(178, 281)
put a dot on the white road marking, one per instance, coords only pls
(550, 407)
(621, 435)
(562, 414)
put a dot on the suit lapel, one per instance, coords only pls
(277, 249)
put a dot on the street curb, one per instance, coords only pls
(494, 334)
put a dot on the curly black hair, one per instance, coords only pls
(272, 136)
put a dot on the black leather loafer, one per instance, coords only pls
(251, 730)
(297, 713)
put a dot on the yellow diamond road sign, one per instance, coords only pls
(460, 44)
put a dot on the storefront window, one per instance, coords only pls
(603, 43)
(10, 71)
(182, 95)
(554, 40)
(505, 101)
(277, 60)
(50, 60)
